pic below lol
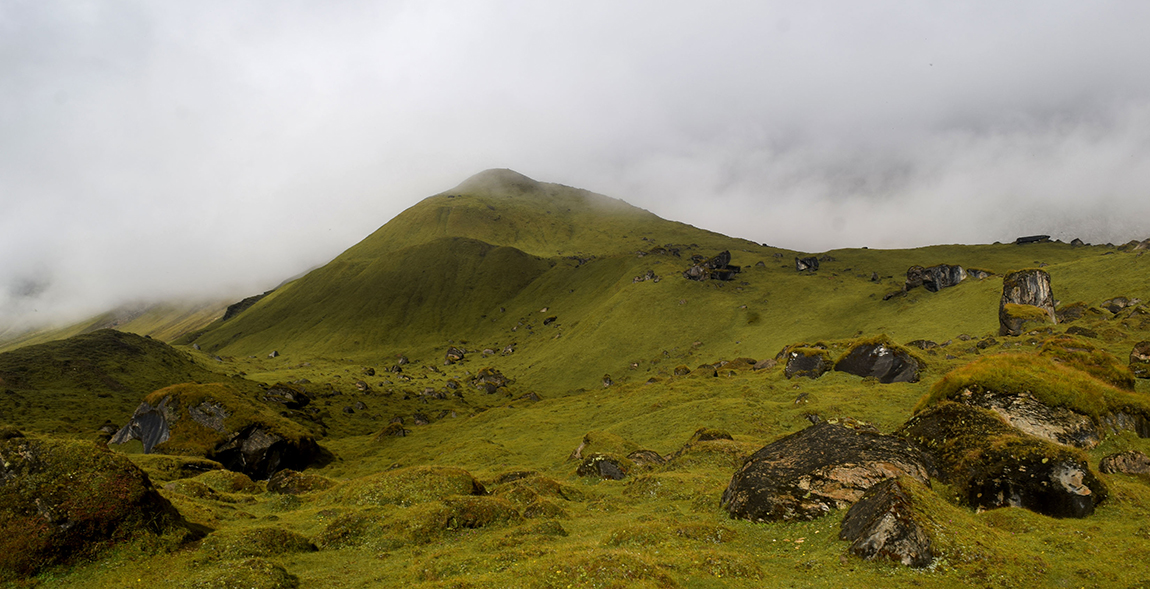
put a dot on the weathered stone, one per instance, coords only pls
(716, 268)
(290, 396)
(1030, 416)
(646, 458)
(991, 464)
(826, 466)
(1032, 239)
(1140, 359)
(886, 362)
(290, 482)
(1020, 290)
(453, 355)
(922, 344)
(274, 354)
(1077, 242)
(489, 380)
(765, 364)
(807, 264)
(1129, 462)
(884, 525)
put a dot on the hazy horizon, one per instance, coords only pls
(152, 151)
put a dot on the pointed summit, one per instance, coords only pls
(501, 181)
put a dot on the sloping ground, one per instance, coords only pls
(72, 386)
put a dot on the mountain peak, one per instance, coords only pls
(497, 180)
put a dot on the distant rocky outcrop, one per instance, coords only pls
(991, 464)
(934, 278)
(823, 467)
(880, 359)
(1026, 299)
(808, 264)
(884, 525)
(216, 422)
(240, 307)
(64, 500)
(716, 268)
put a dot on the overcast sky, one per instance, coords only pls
(158, 149)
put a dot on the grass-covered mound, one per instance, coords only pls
(220, 422)
(64, 500)
(73, 386)
(1080, 354)
(1052, 382)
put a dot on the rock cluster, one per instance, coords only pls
(716, 268)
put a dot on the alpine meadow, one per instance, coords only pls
(515, 383)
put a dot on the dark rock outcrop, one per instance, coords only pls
(1140, 359)
(63, 500)
(290, 482)
(1026, 297)
(605, 466)
(453, 355)
(1129, 462)
(1117, 304)
(810, 264)
(290, 396)
(716, 268)
(991, 464)
(1032, 417)
(244, 305)
(826, 466)
(934, 278)
(1032, 239)
(489, 380)
(217, 422)
(884, 525)
(881, 360)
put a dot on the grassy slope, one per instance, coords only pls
(443, 270)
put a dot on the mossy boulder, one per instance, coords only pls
(218, 422)
(408, 486)
(991, 464)
(250, 573)
(605, 466)
(169, 468)
(882, 359)
(823, 467)
(290, 482)
(62, 500)
(1140, 360)
(529, 489)
(227, 481)
(600, 442)
(808, 362)
(253, 542)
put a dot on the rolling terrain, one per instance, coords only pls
(461, 363)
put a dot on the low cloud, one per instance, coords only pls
(152, 150)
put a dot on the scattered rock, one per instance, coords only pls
(880, 359)
(934, 278)
(453, 355)
(605, 466)
(809, 264)
(362, 386)
(607, 382)
(489, 380)
(530, 397)
(290, 396)
(922, 344)
(1129, 462)
(1140, 359)
(826, 466)
(765, 364)
(550, 320)
(716, 268)
(393, 430)
(420, 419)
(681, 370)
(884, 525)
(646, 458)
(1026, 298)
(1030, 416)
(1117, 304)
(1082, 331)
(368, 371)
(1077, 242)
(809, 362)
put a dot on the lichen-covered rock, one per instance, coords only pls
(880, 359)
(217, 422)
(808, 362)
(62, 500)
(1140, 359)
(934, 278)
(1026, 297)
(489, 380)
(453, 355)
(826, 466)
(290, 396)
(716, 268)
(991, 464)
(810, 264)
(884, 525)
(1029, 415)
(1129, 462)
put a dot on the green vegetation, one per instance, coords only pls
(479, 489)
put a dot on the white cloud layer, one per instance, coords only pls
(162, 149)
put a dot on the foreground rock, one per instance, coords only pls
(1129, 462)
(66, 500)
(808, 362)
(1030, 416)
(1026, 299)
(215, 421)
(991, 464)
(883, 525)
(882, 360)
(826, 466)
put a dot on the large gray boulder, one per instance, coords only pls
(823, 467)
(1026, 298)
(882, 360)
(884, 525)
